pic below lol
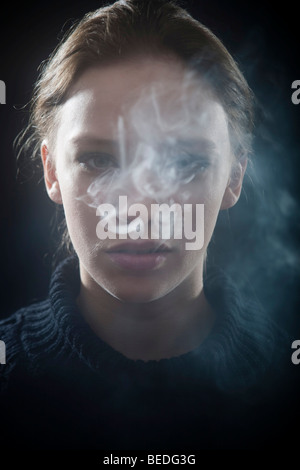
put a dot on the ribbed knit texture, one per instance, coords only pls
(51, 339)
(240, 347)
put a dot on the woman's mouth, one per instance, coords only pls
(139, 256)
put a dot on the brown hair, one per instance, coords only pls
(126, 29)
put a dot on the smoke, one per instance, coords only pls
(265, 228)
(163, 154)
(158, 162)
(262, 231)
(257, 241)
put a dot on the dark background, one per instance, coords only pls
(257, 240)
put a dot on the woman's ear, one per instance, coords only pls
(234, 186)
(50, 176)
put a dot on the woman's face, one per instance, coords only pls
(149, 131)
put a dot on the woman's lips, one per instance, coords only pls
(139, 256)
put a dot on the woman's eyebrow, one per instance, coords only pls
(82, 140)
(196, 143)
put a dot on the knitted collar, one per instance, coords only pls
(237, 351)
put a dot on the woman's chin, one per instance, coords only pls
(136, 294)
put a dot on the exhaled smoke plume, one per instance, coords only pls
(160, 148)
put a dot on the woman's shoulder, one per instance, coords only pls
(13, 325)
(249, 345)
(19, 330)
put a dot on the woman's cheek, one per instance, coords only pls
(209, 195)
(80, 216)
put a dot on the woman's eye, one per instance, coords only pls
(97, 161)
(189, 165)
(191, 162)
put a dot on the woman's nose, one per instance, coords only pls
(132, 205)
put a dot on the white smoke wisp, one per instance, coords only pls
(156, 162)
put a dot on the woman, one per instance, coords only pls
(138, 345)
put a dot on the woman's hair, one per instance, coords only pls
(126, 30)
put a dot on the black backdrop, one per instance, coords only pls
(258, 240)
(263, 38)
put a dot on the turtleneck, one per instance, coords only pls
(58, 370)
(237, 351)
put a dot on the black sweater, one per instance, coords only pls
(63, 387)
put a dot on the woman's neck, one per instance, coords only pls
(167, 327)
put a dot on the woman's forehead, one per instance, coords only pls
(131, 74)
(123, 83)
(154, 99)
